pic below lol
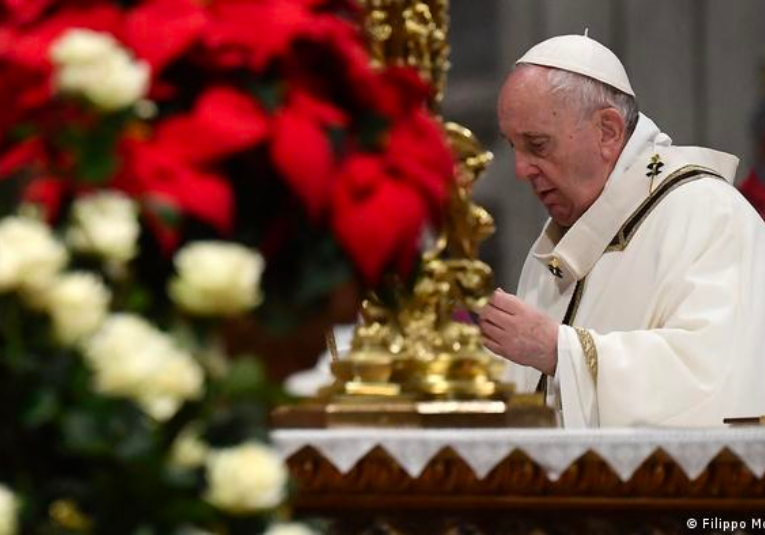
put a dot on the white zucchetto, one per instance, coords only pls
(582, 55)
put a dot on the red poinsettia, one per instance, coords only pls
(252, 107)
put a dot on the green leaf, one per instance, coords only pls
(327, 269)
(182, 478)
(109, 427)
(136, 444)
(167, 213)
(22, 131)
(43, 408)
(137, 299)
(96, 166)
(14, 342)
(237, 423)
(372, 128)
(82, 434)
(94, 148)
(336, 138)
(270, 93)
(246, 525)
(190, 511)
(246, 377)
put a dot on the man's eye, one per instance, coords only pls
(537, 147)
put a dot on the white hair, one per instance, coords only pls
(590, 95)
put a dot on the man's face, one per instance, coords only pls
(556, 149)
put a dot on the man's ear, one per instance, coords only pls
(612, 133)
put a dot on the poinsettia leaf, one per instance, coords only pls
(328, 269)
(22, 131)
(96, 166)
(371, 130)
(167, 213)
(269, 92)
(337, 137)
(94, 149)
(298, 282)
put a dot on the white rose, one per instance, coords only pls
(105, 224)
(95, 65)
(78, 46)
(9, 511)
(77, 303)
(245, 478)
(30, 256)
(289, 528)
(217, 278)
(189, 450)
(131, 358)
(121, 82)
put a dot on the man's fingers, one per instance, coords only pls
(491, 330)
(493, 312)
(491, 345)
(486, 309)
(497, 316)
(505, 302)
(487, 337)
(493, 316)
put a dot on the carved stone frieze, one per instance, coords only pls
(518, 479)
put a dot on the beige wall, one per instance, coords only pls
(695, 65)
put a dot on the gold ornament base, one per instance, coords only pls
(520, 410)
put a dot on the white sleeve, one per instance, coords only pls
(524, 378)
(574, 382)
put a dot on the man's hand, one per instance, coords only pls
(519, 332)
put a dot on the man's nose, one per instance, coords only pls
(525, 168)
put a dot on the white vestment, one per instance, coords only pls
(668, 322)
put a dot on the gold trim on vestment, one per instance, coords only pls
(590, 351)
(685, 174)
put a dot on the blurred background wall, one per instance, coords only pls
(696, 67)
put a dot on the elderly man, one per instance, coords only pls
(642, 302)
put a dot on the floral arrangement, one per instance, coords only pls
(166, 165)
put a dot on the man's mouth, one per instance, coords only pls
(546, 196)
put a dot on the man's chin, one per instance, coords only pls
(563, 220)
